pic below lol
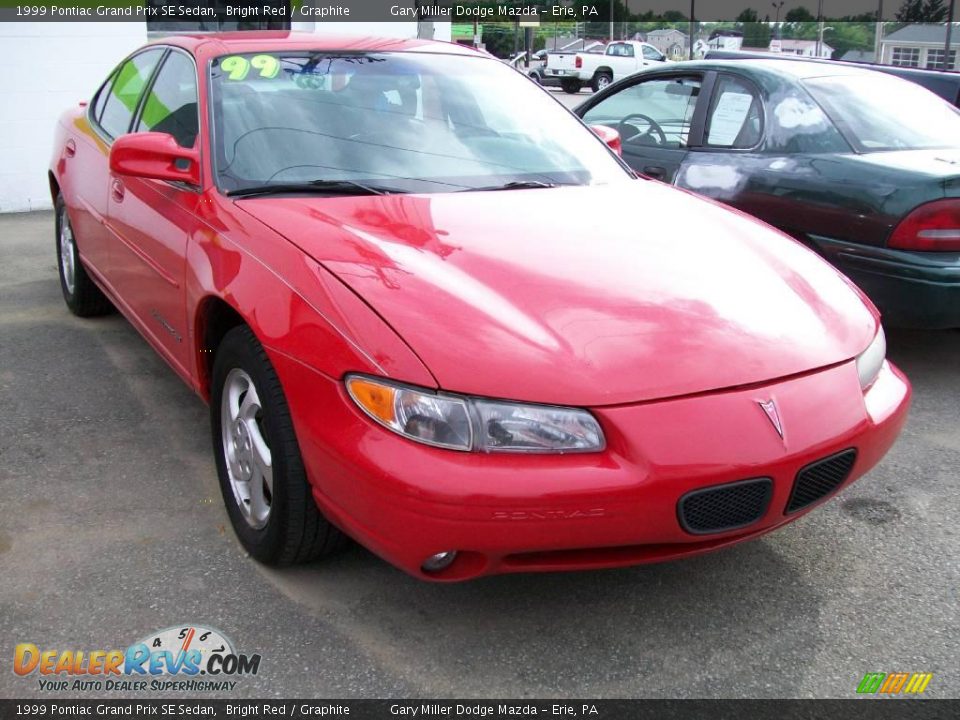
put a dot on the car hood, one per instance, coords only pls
(582, 295)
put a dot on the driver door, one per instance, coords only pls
(658, 119)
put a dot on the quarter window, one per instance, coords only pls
(100, 99)
(906, 57)
(125, 92)
(171, 104)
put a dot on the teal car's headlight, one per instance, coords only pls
(870, 361)
(475, 424)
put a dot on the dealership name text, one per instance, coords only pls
(519, 12)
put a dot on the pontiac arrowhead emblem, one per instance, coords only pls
(769, 407)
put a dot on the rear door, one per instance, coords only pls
(777, 163)
(89, 158)
(658, 118)
(155, 218)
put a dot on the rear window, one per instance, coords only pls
(125, 92)
(886, 113)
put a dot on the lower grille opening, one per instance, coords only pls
(820, 479)
(724, 507)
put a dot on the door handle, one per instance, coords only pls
(655, 171)
(70, 148)
(116, 190)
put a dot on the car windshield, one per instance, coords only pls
(886, 113)
(399, 122)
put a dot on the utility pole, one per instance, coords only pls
(611, 19)
(819, 25)
(878, 40)
(946, 45)
(693, 26)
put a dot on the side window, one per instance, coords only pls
(656, 112)
(121, 101)
(735, 119)
(627, 50)
(171, 104)
(651, 53)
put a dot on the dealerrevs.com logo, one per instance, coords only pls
(180, 658)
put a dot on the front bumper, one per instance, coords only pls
(509, 513)
(911, 289)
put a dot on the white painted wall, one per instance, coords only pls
(57, 65)
(60, 64)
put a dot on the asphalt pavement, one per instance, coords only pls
(570, 101)
(112, 526)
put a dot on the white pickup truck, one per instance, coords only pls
(619, 59)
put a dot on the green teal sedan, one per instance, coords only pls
(861, 166)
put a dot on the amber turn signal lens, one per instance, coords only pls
(378, 400)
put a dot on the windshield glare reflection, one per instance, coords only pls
(397, 121)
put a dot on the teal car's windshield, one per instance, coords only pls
(395, 122)
(885, 113)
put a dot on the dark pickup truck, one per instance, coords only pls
(943, 83)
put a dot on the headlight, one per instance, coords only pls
(465, 423)
(870, 361)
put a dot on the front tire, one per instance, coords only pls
(80, 293)
(571, 86)
(262, 478)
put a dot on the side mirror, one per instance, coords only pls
(156, 156)
(610, 136)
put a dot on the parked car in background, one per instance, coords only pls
(575, 70)
(535, 70)
(357, 252)
(946, 84)
(861, 166)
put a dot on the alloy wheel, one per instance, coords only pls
(68, 252)
(246, 450)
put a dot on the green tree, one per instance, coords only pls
(848, 35)
(755, 34)
(916, 11)
(799, 15)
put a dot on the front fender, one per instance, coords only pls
(292, 304)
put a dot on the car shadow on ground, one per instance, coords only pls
(600, 633)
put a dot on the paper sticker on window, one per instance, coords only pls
(728, 118)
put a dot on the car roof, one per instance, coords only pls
(791, 69)
(212, 44)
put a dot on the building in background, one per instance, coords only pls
(725, 40)
(671, 42)
(69, 60)
(920, 46)
(806, 48)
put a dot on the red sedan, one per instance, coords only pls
(362, 255)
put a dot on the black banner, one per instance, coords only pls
(484, 11)
(859, 709)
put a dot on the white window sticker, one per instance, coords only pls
(728, 117)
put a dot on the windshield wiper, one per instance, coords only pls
(333, 187)
(515, 185)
